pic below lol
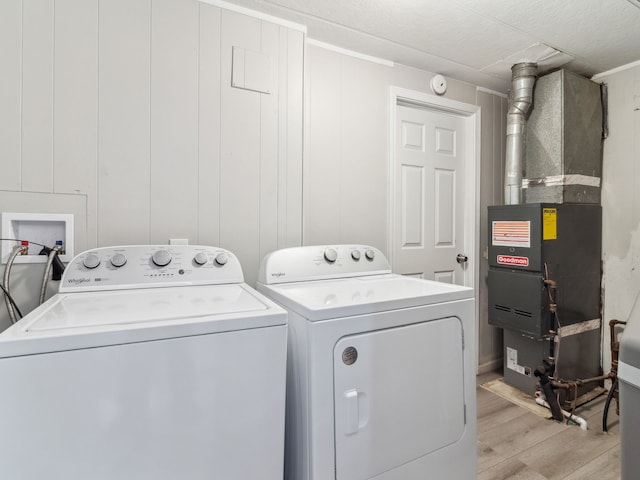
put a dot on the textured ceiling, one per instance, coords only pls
(474, 40)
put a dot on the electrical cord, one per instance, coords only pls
(8, 295)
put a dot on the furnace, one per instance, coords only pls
(544, 290)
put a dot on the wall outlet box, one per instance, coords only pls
(38, 229)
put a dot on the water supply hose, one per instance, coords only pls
(53, 253)
(5, 280)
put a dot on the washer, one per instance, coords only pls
(153, 362)
(381, 372)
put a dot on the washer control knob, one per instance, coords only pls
(355, 254)
(118, 260)
(161, 258)
(370, 254)
(201, 258)
(330, 255)
(91, 261)
(222, 259)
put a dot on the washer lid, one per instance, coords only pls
(90, 319)
(325, 299)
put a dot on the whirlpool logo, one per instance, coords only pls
(278, 274)
(78, 281)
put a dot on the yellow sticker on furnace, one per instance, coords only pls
(549, 224)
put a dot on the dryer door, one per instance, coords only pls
(399, 395)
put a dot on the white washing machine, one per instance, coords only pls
(151, 363)
(381, 368)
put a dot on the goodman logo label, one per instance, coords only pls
(511, 260)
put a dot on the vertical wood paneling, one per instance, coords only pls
(124, 106)
(75, 95)
(209, 127)
(174, 120)
(322, 167)
(75, 139)
(499, 141)
(290, 143)
(240, 149)
(270, 46)
(363, 169)
(490, 161)
(37, 95)
(10, 92)
(283, 144)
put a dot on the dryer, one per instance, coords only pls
(381, 368)
(152, 362)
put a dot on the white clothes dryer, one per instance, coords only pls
(381, 368)
(152, 362)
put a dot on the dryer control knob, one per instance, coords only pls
(118, 260)
(370, 254)
(222, 259)
(355, 254)
(91, 261)
(161, 258)
(330, 255)
(201, 258)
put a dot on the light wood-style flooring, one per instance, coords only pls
(514, 443)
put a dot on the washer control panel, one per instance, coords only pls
(321, 262)
(146, 266)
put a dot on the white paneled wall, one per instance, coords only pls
(124, 111)
(173, 195)
(346, 166)
(494, 114)
(10, 94)
(210, 126)
(37, 96)
(621, 202)
(129, 103)
(240, 159)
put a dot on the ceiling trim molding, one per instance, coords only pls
(351, 53)
(628, 66)
(256, 14)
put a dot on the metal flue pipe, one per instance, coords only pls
(523, 76)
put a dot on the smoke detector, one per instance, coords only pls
(439, 84)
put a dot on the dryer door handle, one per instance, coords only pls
(353, 416)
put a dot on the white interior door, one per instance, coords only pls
(429, 175)
(399, 395)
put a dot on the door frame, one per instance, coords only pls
(471, 114)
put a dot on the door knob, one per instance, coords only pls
(461, 258)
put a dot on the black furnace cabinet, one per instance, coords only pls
(560, 243)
